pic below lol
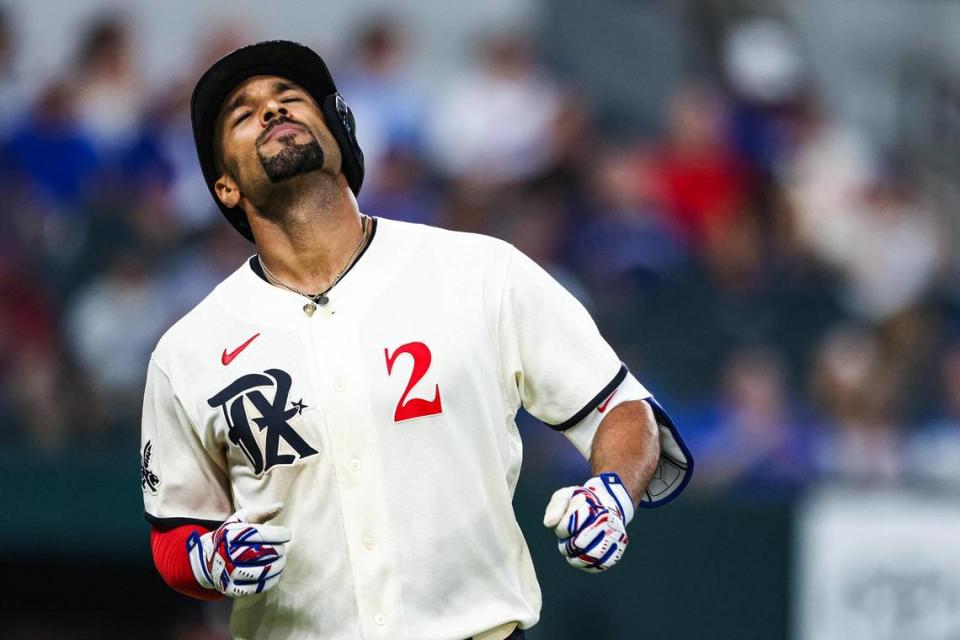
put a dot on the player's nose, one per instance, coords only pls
(272, 109)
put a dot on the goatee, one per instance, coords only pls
(292, 160)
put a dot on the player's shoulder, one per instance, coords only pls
(456, 245)
(202, 323)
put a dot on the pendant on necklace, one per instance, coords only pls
(309, 308)
(322, 299)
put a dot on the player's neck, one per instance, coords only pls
(315, 232)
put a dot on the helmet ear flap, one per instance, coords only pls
(342, 125)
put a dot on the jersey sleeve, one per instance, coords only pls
(183, 481)
(675, 466)
(552, 356)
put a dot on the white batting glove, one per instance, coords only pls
(591, 522)
(243, 556)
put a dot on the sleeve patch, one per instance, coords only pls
(149, 481)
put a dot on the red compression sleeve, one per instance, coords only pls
(171, 559)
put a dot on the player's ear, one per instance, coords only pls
(227, 190)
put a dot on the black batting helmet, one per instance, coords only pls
(279, 58)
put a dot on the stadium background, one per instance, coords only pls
(756, 200)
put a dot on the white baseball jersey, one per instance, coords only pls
(384, 422)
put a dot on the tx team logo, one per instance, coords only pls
(274, 418)
(148, 479)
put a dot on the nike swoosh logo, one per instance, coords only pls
(603, 407)
(227, 358)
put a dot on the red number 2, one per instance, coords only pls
(414, 407)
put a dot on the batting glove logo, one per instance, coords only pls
(591, 522)
(243, 556)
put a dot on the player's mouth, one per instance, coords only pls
(278, 130)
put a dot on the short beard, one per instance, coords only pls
(292, 160)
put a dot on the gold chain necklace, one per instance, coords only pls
(320, 298)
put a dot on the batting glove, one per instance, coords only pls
(591, 522)
(243, 556)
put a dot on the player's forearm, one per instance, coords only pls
(627, 443)
(170, 557)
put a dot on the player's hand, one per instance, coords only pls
(243, 556)
(591, 522)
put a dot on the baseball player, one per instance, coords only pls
(329, 436)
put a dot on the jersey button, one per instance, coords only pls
(380, 619)
(369, 543)
(338, 385)
(354, 465)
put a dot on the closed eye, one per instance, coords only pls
(285, 100)
(241, 117)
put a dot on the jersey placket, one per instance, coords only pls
(355, 448)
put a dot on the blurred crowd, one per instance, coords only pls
(779, 282)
